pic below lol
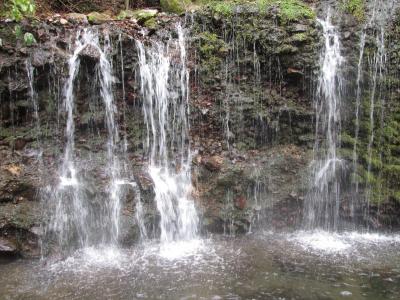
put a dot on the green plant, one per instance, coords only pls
(289, 10)
(21, 8)
(18, 31)
(29, 39)
(354, 7)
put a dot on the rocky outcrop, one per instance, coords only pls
(251, 113)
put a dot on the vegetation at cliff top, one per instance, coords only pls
(289, 10)
(18, 9)
(354, 7)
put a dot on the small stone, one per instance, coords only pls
(345, 293)
(63, 21)
(213, 163)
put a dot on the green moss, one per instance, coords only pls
(174, 6)
(347, 140)
(223, 8)
(289, 10)
(98, 18)
(286, 49)
(151, 23)
(299, 37)
(354, 7)
(211, 50)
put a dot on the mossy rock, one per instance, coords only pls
(98, 18)
(174, 6)
(76, 18)
(141, 15)
(151, 23)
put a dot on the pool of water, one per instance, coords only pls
(301, 265)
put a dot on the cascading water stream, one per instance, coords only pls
(357, 116)
(372, 94)
(164, 87)
(322, 204)
(77, 222)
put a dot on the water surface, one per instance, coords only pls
(301, 265)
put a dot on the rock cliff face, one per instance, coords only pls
(252, 82)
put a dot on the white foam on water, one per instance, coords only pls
(181, 249)
(321, 241)
(91, 259)
(341, 243)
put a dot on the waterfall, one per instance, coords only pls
(81, 219)
(164, 81)
(30, 71)
(370, 97)
(322, 204)
(355, 180)
(381, 13)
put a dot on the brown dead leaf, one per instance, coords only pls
(14, 170)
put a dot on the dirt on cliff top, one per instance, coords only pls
(47, 7)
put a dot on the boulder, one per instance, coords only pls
(76, 18)
(90, 52)
(141, 15)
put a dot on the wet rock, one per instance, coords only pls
(7, 248)
(40, 57)
(299, 28)
(97, 18)
(20, 143)
(213, 163)
(77, 18)
(241, 202)
(90, 52)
